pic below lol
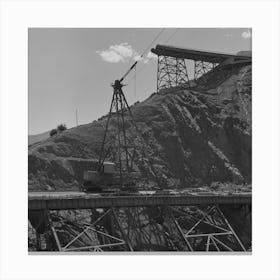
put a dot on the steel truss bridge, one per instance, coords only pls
(174, 71)
(77, 221)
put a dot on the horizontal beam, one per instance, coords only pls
(76, 200)
(200, 55)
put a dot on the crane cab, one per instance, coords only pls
(95, 180)
(108, 167)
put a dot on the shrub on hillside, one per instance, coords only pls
(58, 129)
(61, 127)
(53, 132)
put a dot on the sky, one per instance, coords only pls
(71, 69)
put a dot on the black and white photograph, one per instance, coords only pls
(140, 139)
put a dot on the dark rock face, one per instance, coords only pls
(191, 138)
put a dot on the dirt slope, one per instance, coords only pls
(191, 138)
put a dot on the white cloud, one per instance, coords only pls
(110, 56)
(119, 53)
(123, 53)
(246, 34)
(151, 55)
(137, 57)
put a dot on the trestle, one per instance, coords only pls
(157, 228)
(172, 72)
(202, 67)
(98, 235)
(207, 229)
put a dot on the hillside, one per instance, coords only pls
(192, 138)
(38, 137)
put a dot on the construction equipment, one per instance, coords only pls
(122, 175)
(109, 176)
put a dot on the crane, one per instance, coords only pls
(108, 173)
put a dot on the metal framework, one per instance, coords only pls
(172, 72)
(207, 230)
(97, 236)
(156, 228)
(202, 67)
(121, 144)
(118, 108)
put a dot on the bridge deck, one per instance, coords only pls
(212, 57)
(80, 200)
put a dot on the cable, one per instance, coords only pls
(128, 71)
(139, 71)
(153, 41)
(135, 82)
(168, 39)
(172, 35)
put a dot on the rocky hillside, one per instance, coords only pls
(189, 138)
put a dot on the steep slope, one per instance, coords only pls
(191, 138)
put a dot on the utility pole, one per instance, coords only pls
(76, 117)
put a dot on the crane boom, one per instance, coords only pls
(128, 71)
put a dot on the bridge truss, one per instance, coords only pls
(172, 72)
(177, 66)
(152, 228)
(202, 67)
